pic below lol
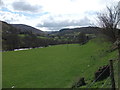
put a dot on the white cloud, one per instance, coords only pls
(12, 17)
(59, 22)
(60, 13)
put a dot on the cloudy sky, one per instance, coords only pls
(53, 14)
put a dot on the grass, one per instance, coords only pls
(22, 35)
(54, 67)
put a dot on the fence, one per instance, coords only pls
(113, 65)
(110, 81)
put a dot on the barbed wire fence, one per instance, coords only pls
(115, 67)
(97, 78)
(107, 82)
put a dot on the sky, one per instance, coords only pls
(52, 15)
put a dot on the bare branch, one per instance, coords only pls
(109, 22)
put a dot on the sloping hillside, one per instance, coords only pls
(56, 66)
(7, 27)
(9, 36)
(25, 28)
(89, 30)
(86, 30)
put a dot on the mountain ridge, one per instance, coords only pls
(26, 28)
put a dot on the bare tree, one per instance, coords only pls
(109, 22)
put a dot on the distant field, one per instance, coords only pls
(54, 67)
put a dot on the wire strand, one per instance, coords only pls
(105, 82)
(115, 65)
(97, 77)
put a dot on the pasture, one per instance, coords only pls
(55, 66)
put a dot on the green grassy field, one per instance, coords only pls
(54, 67)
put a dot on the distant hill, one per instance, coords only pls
(88, 30)
(8, 27)
(25, 28)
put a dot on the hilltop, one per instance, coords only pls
(86, 30)
(26, 28)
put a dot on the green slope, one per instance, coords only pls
(54, 67)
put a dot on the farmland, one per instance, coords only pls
(55, 66)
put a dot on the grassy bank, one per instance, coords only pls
(55, 66)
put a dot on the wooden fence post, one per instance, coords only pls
(112, 75)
